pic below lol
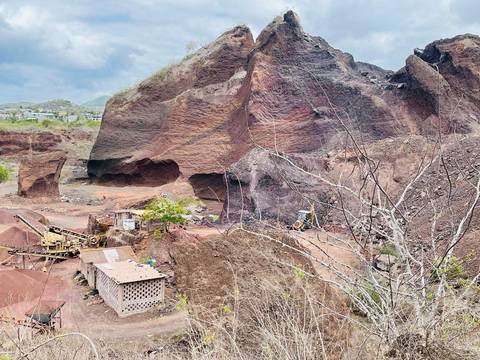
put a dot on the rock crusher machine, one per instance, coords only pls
(56, 242)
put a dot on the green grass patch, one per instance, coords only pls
(47, 124)
(85, 124)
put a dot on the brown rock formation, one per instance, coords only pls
(441, 84)
(287, 90)
(176, 122)
(38, 175)
(15, 142)
(262, 185)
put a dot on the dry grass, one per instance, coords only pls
(274, 308)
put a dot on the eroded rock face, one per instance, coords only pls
(287, 91)
(39, 174)
(178, 122)
(263, 185)
(441, 84)
(16, 142)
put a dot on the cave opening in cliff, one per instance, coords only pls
(144, 172)
(209, 186)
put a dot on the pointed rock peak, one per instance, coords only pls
(238, 31)
(286, 26)
(291, 18)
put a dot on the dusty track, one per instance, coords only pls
(71, 210)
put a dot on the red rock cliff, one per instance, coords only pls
(287, 90)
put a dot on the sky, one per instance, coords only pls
(82, 49)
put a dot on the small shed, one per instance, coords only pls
(129, 287)
(91, 257)
(128, 219)
(47, 313)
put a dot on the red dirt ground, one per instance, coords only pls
(22, 289)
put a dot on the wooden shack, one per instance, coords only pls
(91, 257)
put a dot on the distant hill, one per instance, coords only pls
(97, 103)
(17, 105)
(60, 105)
(57, 105)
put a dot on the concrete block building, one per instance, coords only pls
(89, 258)
(128, 287)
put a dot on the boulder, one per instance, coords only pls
(39, 174)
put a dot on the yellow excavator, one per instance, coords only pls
(305, 219)
(60, 242)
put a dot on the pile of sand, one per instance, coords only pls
(26, 285)
(16, 236)
(14, 233)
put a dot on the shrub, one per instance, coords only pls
(214, 217)
(182, 301)
(388, 249)
(454, 271)
(47, 123)
(166, 212)
(299, 273)
(4, 173)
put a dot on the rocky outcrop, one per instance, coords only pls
(266, 185)
(179, 122)
(17, 142)
(39, 174)
(287, 91)
(441, 84)
(262, 185)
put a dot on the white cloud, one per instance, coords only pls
(62, 39)
(78, 48)
(25, 18)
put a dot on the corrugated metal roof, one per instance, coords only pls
(45, 307)
(107, 255)
(129, 271)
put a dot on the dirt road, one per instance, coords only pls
(78, 200)
(329, 253)
(100, 321)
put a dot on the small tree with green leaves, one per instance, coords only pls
(4, 173)
(165, 212)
